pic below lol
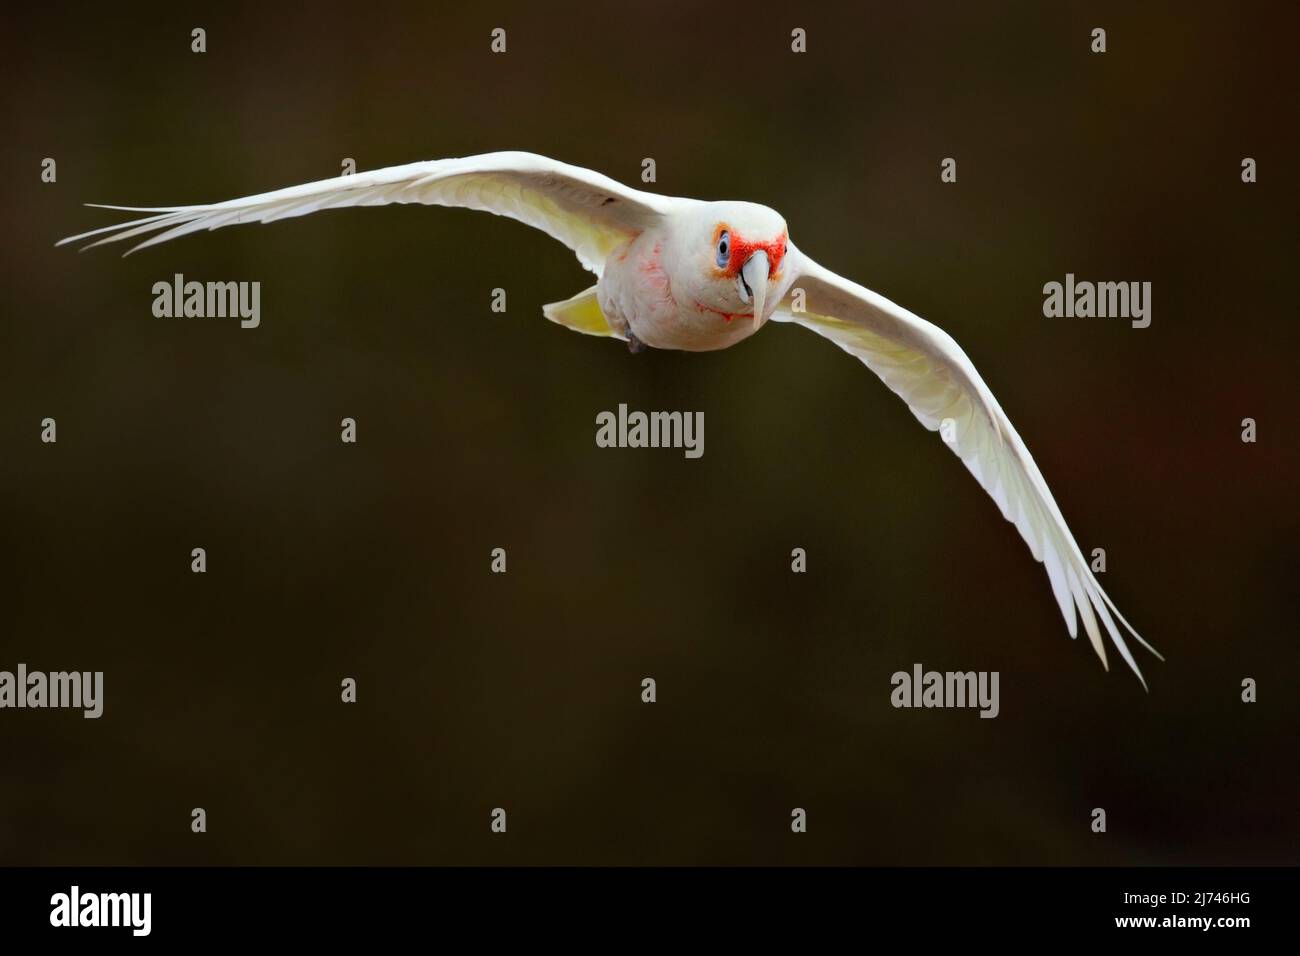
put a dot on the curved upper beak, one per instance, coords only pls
(752, 283)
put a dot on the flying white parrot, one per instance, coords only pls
(678, 273)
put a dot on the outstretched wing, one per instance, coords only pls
(590, 213)
(927, 369)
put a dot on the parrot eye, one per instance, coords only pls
(724, 249)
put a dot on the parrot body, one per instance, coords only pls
(677, 273)
(650, 289)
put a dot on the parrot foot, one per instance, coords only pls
(634, 344)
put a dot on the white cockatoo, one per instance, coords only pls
(676, 273)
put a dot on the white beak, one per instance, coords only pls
(752, 283)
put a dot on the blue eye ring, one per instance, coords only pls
(724, 249)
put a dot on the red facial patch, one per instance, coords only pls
(741, 249)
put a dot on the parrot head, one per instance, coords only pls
(740, 252)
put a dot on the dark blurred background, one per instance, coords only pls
(476, 430)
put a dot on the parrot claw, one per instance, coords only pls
(634, 344)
